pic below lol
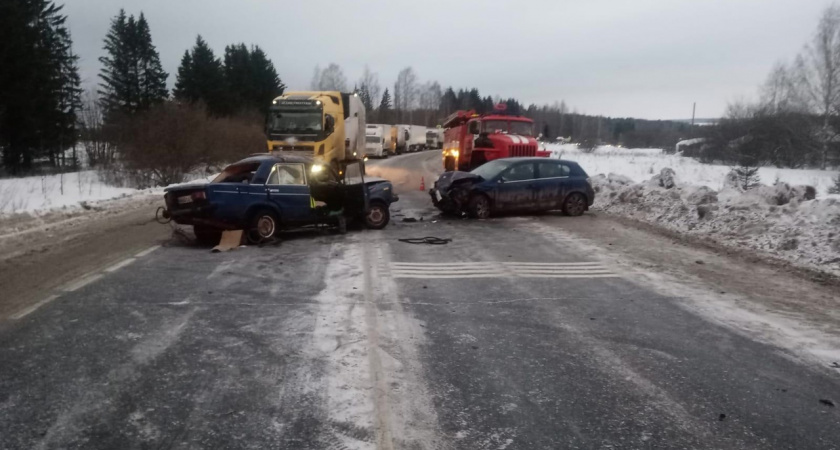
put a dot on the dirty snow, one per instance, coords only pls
(779, 220)
(641, 164)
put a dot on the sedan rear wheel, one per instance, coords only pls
(264, 224)
(479, 207)
(575, 204)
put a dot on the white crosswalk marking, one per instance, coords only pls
(469, 269)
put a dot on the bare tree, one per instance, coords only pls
(315, 83)
(405, 92)
(819, 72)
(429, 99)
(370, 83)
(332, 79)
(98, 149)
(781, 91)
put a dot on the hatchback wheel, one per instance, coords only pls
(575, 204)
(479, 207)
(264, 224)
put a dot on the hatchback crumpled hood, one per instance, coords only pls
(449, 178)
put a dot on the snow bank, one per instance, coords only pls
(782, 220)
(641, 164)
(37, 195)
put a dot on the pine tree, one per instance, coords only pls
(251, 79)
(39, 83)
(132, 76)
(201, 79)
(747, 176)
(267, 83)
(836, 188)
(385, 107)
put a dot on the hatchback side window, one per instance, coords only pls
(287, 174)
(520, 172)
(553, 170)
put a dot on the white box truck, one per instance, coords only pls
(434, 138)
(415, 136)
(403, 134)
(375, 141)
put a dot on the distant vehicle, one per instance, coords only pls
(417, 138)
(266, 193)
(515, 185)
(390, 133)
(434, 138)
(375, 141)
(471, 140)
(327, 126)
(402, 132)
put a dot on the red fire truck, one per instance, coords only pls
(471, 140)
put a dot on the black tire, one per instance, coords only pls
(377, 216)
(264, 224)
(449, 163)
(479, 207)
(574, 204)
(207, 235)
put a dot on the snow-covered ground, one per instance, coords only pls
(641, 164)
(40, 194)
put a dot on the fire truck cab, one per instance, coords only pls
(471, 140)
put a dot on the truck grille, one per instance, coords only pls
(523, 150)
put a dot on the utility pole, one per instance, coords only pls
(693, 111)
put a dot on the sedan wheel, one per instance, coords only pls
(377, 216)
(575, 204)
(264, 224)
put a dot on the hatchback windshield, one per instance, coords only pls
(491, 169)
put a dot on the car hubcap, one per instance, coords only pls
(576, 205)
(265, 226)
(481, 209)
(375, 216)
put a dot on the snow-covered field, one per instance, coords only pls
(40, 194)
(778, 219)
(37, 194)
(641, 164)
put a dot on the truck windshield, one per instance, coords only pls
(522, 128)
(295, 122)
(492, 126)
(373, 139)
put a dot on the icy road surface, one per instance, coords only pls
(523, 333)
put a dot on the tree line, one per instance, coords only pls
(795, 122)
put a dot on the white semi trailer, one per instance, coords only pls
(375, 141)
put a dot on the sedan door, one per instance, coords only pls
(551, 185)
(287, 189)
(515, 187)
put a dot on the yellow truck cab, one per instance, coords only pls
(328, 126)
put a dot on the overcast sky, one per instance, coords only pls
(639, 58)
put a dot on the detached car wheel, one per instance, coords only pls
(377, 216)
(264, 224)
(479, 207)
(575, 204)
(207, 235)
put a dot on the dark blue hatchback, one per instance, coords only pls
(515, 185)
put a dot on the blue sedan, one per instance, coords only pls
(265, 193)
(515, 185)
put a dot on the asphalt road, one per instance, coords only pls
(505, 338)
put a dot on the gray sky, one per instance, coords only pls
(640, 58)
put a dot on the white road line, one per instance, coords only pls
(120, 265)
(83, 282)
(147, 251)
(472, 269)
(21, 314)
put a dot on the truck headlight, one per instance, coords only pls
(454, 153)
(317, 168)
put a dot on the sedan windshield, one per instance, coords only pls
(491, 169)
(295, 122)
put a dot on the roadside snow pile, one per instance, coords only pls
(782, 220)
(41, 193)
(642, 163)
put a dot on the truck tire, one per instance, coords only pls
(479, 207)
(377, 216)
(264, 224)
(449, 163)
(574, 204)
(205, 235)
